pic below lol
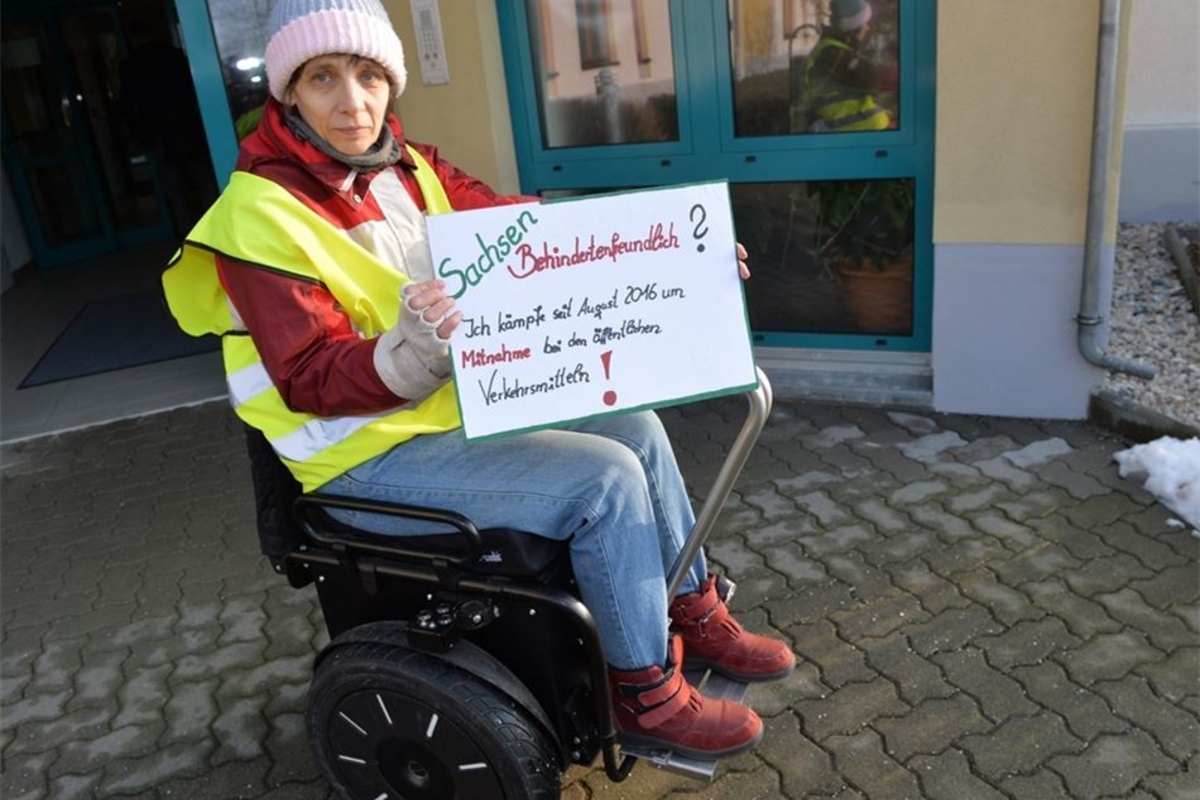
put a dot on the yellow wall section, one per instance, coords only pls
(468, 118)
(1015, 86)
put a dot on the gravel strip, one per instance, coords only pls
(1153, 322)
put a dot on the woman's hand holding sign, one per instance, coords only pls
(413, 356)
(429, 298)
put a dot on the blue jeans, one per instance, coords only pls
(611, 487)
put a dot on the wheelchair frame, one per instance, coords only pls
(498, 604)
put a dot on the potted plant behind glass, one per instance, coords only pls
(864, 237)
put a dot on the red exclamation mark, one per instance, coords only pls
(610, 397)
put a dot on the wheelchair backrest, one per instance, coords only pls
(275, 492)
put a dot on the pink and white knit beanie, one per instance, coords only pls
(298, 30)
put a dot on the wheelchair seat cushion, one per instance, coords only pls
(516, 553)
(505, 552)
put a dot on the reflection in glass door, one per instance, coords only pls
(830, 257)
(819, 113)
(239, 31)
(800, 66)
(605, 71)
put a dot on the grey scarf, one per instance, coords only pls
(384, 153)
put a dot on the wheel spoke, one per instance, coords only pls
(355, 725)
(386, 715)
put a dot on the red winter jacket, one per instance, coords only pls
(314, 356)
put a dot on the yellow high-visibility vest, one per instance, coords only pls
(840, 109)
(258, 222)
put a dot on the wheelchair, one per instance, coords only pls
(461, 662)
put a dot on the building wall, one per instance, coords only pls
(1164, 68)
(1014, 120)
(1016, 83)
(1160, 174)
(468, 118)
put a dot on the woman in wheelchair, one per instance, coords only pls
(315, 269)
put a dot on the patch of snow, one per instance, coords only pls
(1168, 468)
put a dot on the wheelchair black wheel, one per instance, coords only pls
(389, 722)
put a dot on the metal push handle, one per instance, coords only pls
(760, 407)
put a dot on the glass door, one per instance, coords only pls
(603, 92)
(46, 149)
(98, 142)
(818, 113)
(830, 100)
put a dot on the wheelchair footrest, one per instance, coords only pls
(717, 686)
(711, 685)
(673, 762)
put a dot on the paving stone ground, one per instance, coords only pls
(982, 608)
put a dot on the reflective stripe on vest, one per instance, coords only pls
(258, 222)
(841, 109)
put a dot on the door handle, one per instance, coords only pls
(66, 111)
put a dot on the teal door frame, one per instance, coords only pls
(201, 45)
(708, 149)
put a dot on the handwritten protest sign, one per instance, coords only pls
(583, 307)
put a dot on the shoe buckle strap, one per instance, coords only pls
(713, 616)
(660, 692)
(659, 705)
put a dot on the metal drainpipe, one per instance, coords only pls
(1091, 323)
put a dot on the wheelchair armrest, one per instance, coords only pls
(312, 511)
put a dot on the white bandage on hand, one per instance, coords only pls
(411, 359)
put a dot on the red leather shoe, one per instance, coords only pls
(713, 639)
(658, 709)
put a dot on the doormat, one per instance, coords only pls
(127, 330)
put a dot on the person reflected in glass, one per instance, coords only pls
(315, 268)
(842, 79)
